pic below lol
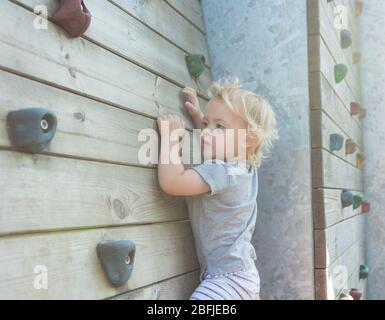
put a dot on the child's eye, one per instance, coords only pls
(204, 124)
(220, 126)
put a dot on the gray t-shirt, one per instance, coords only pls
(223, 220)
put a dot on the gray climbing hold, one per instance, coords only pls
(346, 38)
(346, 198)
(31, 129)
(117, 259)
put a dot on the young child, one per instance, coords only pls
(221, 193)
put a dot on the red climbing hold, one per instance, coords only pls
(73, 16)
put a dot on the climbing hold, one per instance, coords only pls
(73, 16)
(360, 160)
(364, 272)
(365, 207)
(340, 72)
(336, 142)
(346, 198)
(358, 7)
(350, 146)
(355, 293)
(31, 129)
(356, 57)
(344, 296)
(117, 259)
(195, 64)
(363, 113)
(355, 108)
(357, 200)
(346, 38)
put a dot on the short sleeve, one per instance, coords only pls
(215, 173)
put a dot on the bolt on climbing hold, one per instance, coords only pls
(356, 293)
(360, 160)
(73, 16)
(340, 72)
(356, 57)
(346, 38)
(364, 271)
(355, 108)
(365, 207)
(345, 296)
(31, 129)
(195, 64)
(350, 146)
(336, 142)
(358, 7)
(357, 200)
(117, 259)
(346, 198)
(363, 113)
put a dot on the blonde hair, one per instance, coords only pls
(255, 110)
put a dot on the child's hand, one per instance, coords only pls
(173, 122)
(192, 103)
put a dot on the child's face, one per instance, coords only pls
(222, 137)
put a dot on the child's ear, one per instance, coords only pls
(251, 140)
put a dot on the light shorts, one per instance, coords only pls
(240, 285)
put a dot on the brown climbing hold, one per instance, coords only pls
(358, 7)
(350, 146)
(365, 207)
(355, 293)
(73, 16)
(355, 108)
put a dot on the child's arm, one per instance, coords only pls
(172, 176)
(192, 106)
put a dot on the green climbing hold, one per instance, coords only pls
(346, 38)
(346, 198)
(195, 64)
(364, 271)
(336, 142)
(357, 200)
(340, 72)
(117, 259)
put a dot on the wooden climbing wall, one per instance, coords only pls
(338, 231)
(88, 186)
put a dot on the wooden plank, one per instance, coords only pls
(324, 25)
(329, 15)
(332, 172)
(50, 57)
(178, 288)
(327, 208)
(320, 60)
(73, 270)
(191, 10)
(119, 32)
(331, 243)
(51, 193)
(329, 282)
(86, 128)
(159, 16)
(322, 96)
(322, 127)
